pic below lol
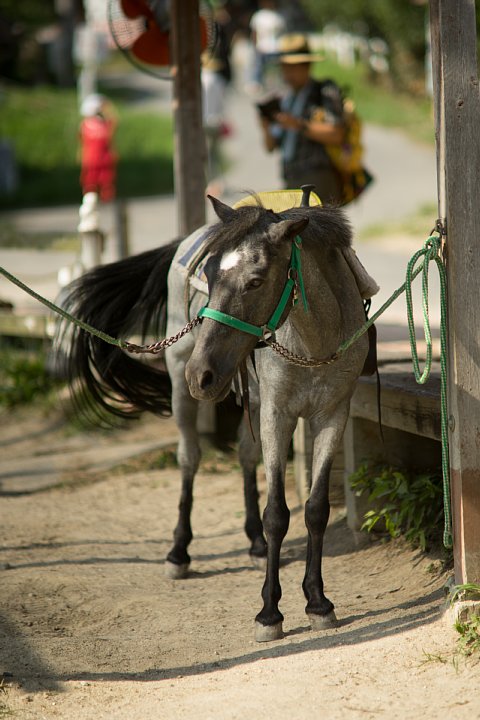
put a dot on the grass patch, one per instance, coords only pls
(469, 640)
(380, 106)
(43, 125)
(24, 378)
(148, 461)
(417, 225)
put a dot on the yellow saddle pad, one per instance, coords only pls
(278, 200)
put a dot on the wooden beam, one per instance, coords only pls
(26, 325)
(404, 404)
(457, 117)
(189, 138)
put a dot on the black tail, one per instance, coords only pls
(125, 297)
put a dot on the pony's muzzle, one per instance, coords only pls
(205, 382)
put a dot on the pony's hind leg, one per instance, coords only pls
(249, 454)
(188, 454)
(319, 608)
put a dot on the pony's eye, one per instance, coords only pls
(254, 283)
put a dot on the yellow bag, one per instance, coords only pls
(347, 158)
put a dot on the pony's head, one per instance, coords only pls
(249, 259)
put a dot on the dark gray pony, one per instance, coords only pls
(290, 275)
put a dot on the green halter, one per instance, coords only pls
(295, 279)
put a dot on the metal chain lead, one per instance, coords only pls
(299, 359)
(162, 344)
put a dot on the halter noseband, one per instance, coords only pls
(294, 281)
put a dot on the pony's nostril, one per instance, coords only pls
(206, 380)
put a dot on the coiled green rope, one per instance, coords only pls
(431, 251)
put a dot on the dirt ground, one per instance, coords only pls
(91, 628)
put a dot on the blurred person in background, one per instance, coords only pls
(98, 157)
(307, 119)
(214, 87)
(266, 26)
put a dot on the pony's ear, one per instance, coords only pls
(224, 212)
(287, 229)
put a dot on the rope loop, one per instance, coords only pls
(431, 252)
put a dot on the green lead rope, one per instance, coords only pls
(60, 311)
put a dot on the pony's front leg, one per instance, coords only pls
(276, 436)
(188, 454)
(319, 609)
(249, 454)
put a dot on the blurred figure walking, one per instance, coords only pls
(266, 25)
(214, 86)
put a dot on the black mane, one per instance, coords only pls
(327, 225)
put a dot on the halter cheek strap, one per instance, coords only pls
(294, 280)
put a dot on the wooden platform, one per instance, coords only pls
(405, 405)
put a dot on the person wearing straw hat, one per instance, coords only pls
(310, 117)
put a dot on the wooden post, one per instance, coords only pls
(120, 243)
(457, 117)
(190, 147)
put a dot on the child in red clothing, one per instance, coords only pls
(98, 158)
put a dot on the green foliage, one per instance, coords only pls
(404, 503)
(23, 378)
(43, 124)
(31, 13)
(400, 24)
(469, 631)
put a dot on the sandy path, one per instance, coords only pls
(91, 628)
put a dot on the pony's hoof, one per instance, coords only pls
(176, 572)
(267, 633)
(259, 563)
(323, 622)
